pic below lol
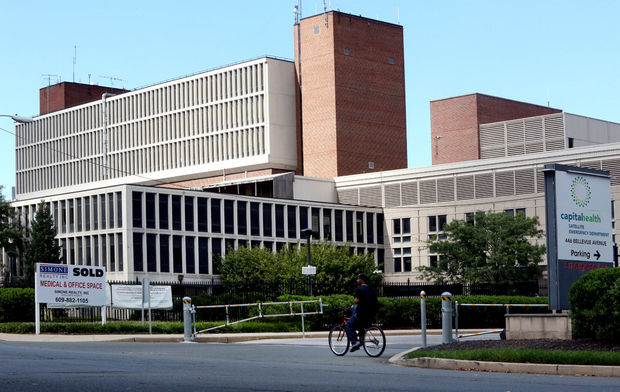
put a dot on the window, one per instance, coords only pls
(303, 218)
(137, 251)
(380, 228)
(338, 225)
(163, 211)
(203, 255)
(401, 230)
(255, 218)
(177, 254)
(359, 226)
(327, 224)
(102, 206)
(190, 265)
(370, 228)
(86, 213)
(95, 214)
(216, 226)
(316, 220)
(435, 232)
(136, 207)
(79, 214)
(267, 220)
(279, 221)
(119, 248)
(470, 218)
(189, 213)
(292, 223)
(515, 211)
(110, 210)
(71, 216)
(63, 216)
(242, 228)
(164, 253)
(349, 224)
(398, 260)
(216, 254)
(112, 252)
(176, 212)
(150, 210)
(203, 217)
(151, 252)
(229, 216)
(119, 209)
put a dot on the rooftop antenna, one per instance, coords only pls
(548, 98)
(112, 79)
(74, 60)
(398, 14)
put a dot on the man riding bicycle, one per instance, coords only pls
(364, 310)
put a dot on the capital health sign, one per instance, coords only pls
(579, 227)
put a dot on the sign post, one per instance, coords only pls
(579, 230)
(75, 285)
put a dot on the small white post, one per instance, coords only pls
(37, 312)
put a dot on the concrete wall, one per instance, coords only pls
(586, 131)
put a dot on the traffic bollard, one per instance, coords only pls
(423, 312)
(187, 319)
(446, 317)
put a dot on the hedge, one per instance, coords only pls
(595, 305)
(16, 304)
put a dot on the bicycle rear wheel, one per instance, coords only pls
(338, 341)
(374, 341)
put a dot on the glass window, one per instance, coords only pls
(111, 210)
(432, 224)
(229, 216)
(267, 232)
(164, 253)
(79, 214)
(520, 211)
(407, 264)
(71, 216)
(242, 228)
(176, 213)
(119, 210)
(203, 217)
(112, 252)
(56, 217)
(63, 216)
(216, 226)
(370, 227)
(151, 252)
(150, 210)
(119, 241)
(163, 211)
(396, 226)
(189, 213)
(469, 217)
(136, 206)
(327, 224)
(96, 250)
(398, 264)
(303, 218)
(359, 225)
(406, 226)
(87, 213)
(316, 219)
(216, 255)
(137, 252)
(380, 221)
(102, 206)
(279, 221)
(255, 218)
(190, 258)
(510, 212)
(291, 212)
(89, 257)
(95, 214)
(80, 260)
(338, 224)
(177, 254)
(349, 223)
(442, 219)
(203, 255)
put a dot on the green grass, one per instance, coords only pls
(609, 358)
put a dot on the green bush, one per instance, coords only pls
(595, 305)
(16, 304)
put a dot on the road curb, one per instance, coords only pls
(504, 367)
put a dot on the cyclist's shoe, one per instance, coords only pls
(356, 346)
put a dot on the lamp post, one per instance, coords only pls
(307, 232)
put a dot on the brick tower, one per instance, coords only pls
(353, 95)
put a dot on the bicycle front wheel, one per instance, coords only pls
(374, 341)
(338, 342)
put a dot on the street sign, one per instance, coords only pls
(579, 227)
(309, 270)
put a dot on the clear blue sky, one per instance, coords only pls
(565, 51)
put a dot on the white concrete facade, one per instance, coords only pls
(235, 118)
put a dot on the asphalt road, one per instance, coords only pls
(277, 365)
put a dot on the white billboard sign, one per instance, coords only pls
(76, 285)
(130, 297)
(583, 218)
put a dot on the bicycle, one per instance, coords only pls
(372, 338)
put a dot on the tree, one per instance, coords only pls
(488, 248)
(11, 232)
(42, 246)
(336, 266)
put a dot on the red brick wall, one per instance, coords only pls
(65, 95)
(455, 123)
(353, 105)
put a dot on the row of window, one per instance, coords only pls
(239, 217)
(203, 89)
(105, 250)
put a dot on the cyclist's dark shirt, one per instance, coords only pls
(367, 304)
